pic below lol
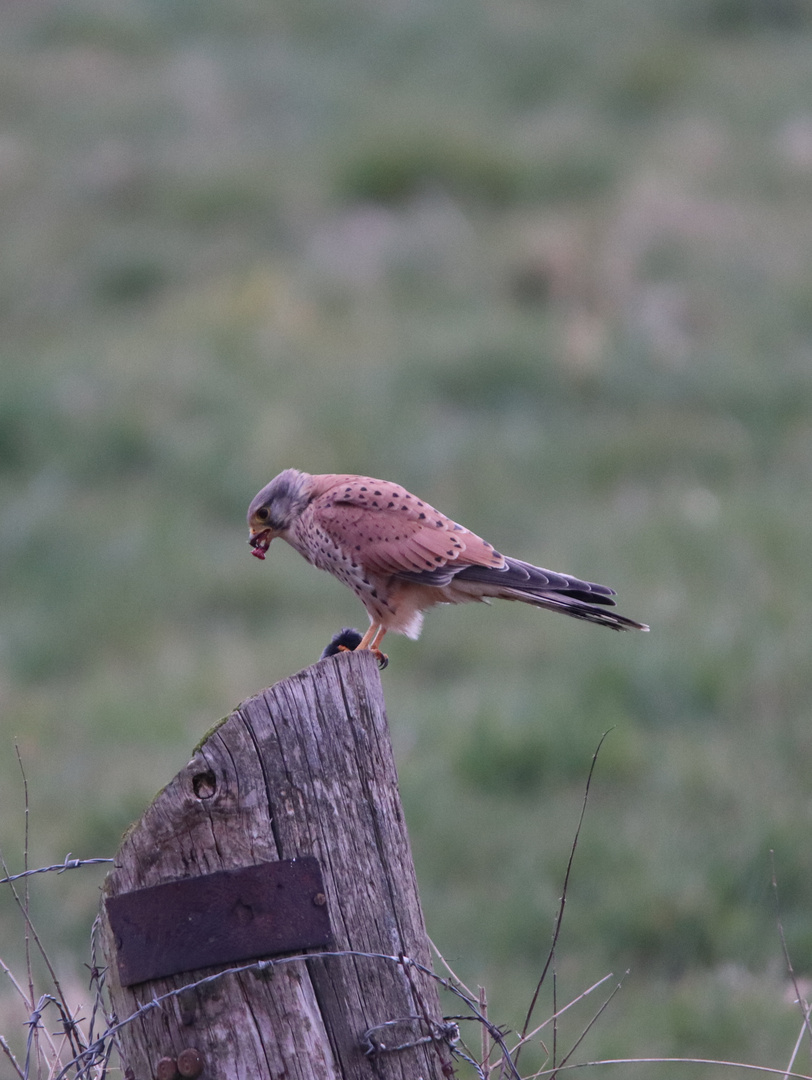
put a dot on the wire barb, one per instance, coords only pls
(371, 1043)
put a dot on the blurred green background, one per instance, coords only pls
(547, 263)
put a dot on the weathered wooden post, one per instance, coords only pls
(283, 834)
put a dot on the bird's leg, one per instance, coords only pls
(370, 641)
(369, 636)
(382, 658)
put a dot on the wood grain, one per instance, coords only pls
(304, 768)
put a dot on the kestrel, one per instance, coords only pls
(400, 556)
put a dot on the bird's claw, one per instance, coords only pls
(381, 658)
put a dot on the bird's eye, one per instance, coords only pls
(263, 513)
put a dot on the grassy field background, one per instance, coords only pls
(547, 263)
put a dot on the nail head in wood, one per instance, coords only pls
(190, 1063)
(167, 1069)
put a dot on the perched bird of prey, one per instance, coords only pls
(400, 556)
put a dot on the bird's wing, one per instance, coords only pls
(390, 531)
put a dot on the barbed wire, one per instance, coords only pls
(92, 1054)
(58, 868)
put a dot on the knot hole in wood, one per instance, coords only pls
(204, 784)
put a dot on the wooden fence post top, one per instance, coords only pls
(303, 769)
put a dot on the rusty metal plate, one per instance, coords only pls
(219, 919)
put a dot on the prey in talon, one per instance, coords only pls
(401, 557)
(348, 640)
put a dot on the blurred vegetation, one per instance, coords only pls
(546, 263)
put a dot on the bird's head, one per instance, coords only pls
(274, 509)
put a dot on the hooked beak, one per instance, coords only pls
(260, 541)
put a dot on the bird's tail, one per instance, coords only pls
(577, 609)
(547, 589)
